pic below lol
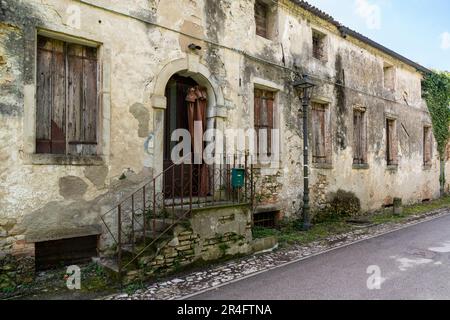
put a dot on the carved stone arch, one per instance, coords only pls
(191, 67)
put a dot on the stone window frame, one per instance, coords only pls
(30, 156)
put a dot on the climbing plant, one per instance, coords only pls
(436, 88)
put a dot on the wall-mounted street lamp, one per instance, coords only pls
(304, 87)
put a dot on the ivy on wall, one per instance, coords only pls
(436, 87)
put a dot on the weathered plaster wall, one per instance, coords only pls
(53, 200)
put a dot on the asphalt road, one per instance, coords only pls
(414, 263)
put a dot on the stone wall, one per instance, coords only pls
(210, 234)
(15, 271)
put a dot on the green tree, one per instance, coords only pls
(436, 87)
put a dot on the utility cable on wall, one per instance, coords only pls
(239, 51)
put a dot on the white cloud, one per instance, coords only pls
(445, 40)
(371, 13)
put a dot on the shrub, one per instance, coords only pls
(341, 204)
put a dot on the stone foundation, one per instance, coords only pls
(14, 271)
(210, 234)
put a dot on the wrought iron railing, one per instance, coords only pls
(139, 220)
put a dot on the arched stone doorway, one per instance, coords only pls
(187, 104)
(189, 72)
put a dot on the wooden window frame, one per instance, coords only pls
(359, 136)
(81, 135)
(325, 156)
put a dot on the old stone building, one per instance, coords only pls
(90, 88)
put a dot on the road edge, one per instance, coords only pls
(200, 292)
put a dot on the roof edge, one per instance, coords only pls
(347, 31)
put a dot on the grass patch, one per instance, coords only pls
(288, 234)
(320, 231)
(261, 232)
(421, 208)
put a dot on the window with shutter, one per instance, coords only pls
(391, 143)
(67, 101)
(321, 140)
(263, 117)
(261, 18)
(359, 137)
(427, 146)
(318, 45)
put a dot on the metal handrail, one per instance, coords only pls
(151, 205)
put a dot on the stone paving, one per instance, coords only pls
(196, 282)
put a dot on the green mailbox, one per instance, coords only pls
(237, 178)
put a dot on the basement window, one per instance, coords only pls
(52, 254)
(265, 219)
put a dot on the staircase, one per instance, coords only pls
(143, 222)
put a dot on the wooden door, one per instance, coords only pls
(177, 178)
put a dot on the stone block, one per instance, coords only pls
(260, 245)
(183, 248)
(185, 243)
(184, 238)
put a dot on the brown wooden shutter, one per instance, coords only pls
(358, 138)
(82, 100)
(257, 117)
(75, 93)
(90, 101)
(319, 135)
(392, 144)
(43, 95)
(261, 11)
(59, 100)
(427, 147)
(355, 138)
(269, 122)
(264, 108)
(50, 102)
(388, 142)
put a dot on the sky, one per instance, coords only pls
(416, 29)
